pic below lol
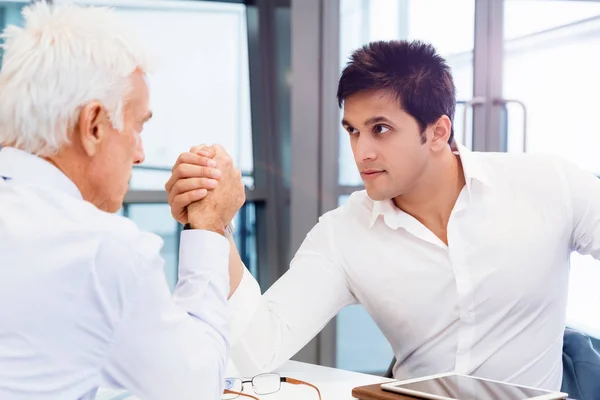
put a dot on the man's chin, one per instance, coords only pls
(376, 195)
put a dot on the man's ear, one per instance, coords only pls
(93, 124)
(442, 128)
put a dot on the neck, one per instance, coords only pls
(432, 200)
(72, 166)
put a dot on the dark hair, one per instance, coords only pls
(419, 78)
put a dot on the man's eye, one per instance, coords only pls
(379, 129)
(352, 131)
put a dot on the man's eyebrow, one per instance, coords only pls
(377, 120)
(370, 121)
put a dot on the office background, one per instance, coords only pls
(260, 77)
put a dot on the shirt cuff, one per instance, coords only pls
(243, 305)
(205, 251)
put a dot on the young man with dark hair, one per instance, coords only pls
(412, 71)
(461, 258)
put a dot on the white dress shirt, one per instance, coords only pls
(492, 303)
(84, 301)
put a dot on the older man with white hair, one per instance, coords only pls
(83, 299)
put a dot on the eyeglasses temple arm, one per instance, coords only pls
(299, 382)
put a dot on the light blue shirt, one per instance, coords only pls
(84, 302)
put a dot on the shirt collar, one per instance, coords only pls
(20, 166)
(387, 209)
(472, 169)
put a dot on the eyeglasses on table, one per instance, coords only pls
(262, 384)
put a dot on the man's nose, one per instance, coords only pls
(365, 149)
(139, 156)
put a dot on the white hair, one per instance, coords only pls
(64, 57)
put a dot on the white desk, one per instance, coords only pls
(334, 384)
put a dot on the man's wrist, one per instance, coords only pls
(228, 229)
(207, 225)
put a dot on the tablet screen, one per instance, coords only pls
(468, 388)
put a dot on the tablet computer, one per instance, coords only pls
(454, 386)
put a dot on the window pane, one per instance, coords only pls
(450, 29)
(360, 345)
(559, 58)
(200, 90)
(550, 65)
(157, 218)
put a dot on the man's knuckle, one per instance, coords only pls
(187, 170)
(177, 171)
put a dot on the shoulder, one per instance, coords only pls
(353, 215)
(546, 170)
(115, 239)
(126, 258)
(514, 161)
(122, 239)
(357, 207)
(537, 161)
